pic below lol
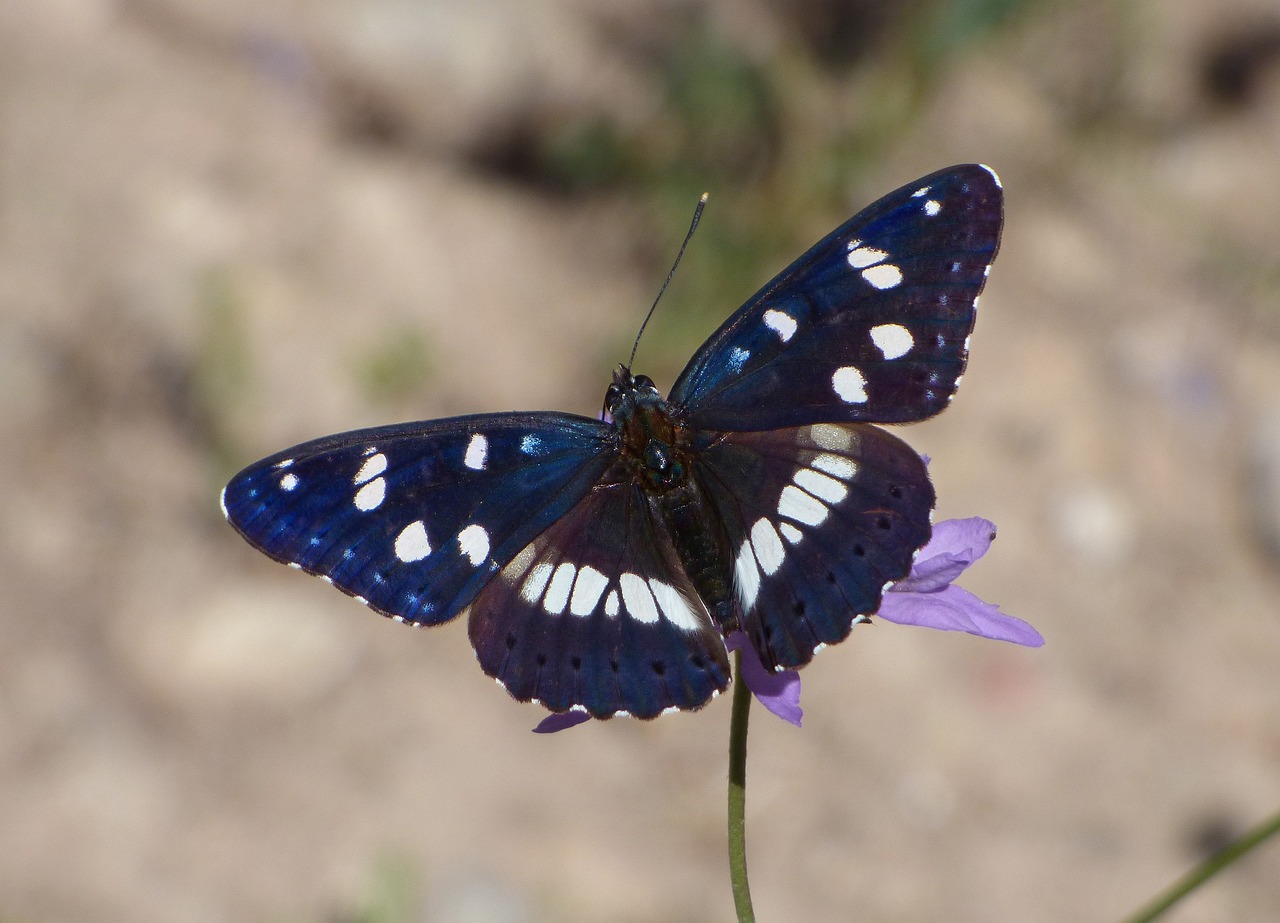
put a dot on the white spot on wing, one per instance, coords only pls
(558, 593)
(831, 437)
(373, 466)
(800, 506)
(781, 323)
(474, 542)
(289, 481)
(883, 276)
(519, 564)
(932, 207)
(923, 190)
(370, 496)
(767, 545)
(535, 583)
(790, 533)
(893, 340)
(611, 604)
(411, 543)
(530, 445)
(849, 385)
(638, 597)
(860, 257)
(747, 573)
(674, 606)
(477, 452)
(821, 486)
(738, 358)
(283, 464)
(835, 465)
(586, 591)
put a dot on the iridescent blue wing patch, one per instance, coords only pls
(414, 519)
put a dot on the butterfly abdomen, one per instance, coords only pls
(702, 545)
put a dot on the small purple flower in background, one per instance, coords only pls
(928, 598)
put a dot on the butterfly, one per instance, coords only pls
(602, 562)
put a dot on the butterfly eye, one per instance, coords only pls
(645, 383)
(611, 399)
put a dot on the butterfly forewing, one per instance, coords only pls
(820, 518)
(415, 519)
(597, 613)
(871, 324)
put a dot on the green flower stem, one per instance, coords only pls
(1206, 870)
(738, 794)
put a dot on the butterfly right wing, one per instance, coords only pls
(871, 324)
(597, 614)
(820, 519)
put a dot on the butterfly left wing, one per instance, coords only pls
(871, 324)
(820, 519)
(597, 613)
(414, 519)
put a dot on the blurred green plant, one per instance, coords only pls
(221, 368)
(394, 895)
(397, 367)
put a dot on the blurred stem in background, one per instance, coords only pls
(1207, 869)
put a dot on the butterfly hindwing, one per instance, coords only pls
(871, 324)
(820, 518)
(415, 519)
(597, 613)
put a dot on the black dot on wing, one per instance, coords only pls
(613, 665)
(859, 551)
(798, 608)
(511, 642)
(541, 659)
(659, 667)
(831, 577)
(576, 662)
(697, 661)
(882, 522)
(895, 491)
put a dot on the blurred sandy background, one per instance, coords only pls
(226, 226)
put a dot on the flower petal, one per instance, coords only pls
(956, 609)
(560, 721)
(954, 546)
(778, 692)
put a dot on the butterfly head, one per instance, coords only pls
(629, 394)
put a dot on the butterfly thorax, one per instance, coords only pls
(655, 454)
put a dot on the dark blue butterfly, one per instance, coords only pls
(603, 562)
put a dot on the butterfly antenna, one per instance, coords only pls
(693, 226)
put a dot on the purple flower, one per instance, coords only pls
(779, 692)
(928, 598)
(560, 721)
